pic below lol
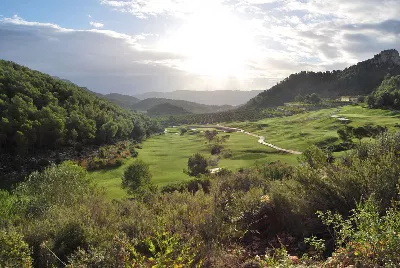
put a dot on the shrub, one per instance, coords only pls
(216, 149)
(64, 184)
(136, 176)
(366, 238)
(197, 165)
(317, 184)
(14, 251)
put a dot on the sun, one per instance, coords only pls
(215, 43)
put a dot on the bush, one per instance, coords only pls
(14, 251)
(216, 149)
(136, 176)
(192, 186)
(197, 165)
(366, 238)
(317, 184)
(64, 184)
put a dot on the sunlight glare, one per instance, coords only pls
(215, 44)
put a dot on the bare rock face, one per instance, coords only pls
(388, 56)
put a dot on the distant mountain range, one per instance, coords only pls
(192, 107)
(191, 101)
(359, 79)
(217, 97)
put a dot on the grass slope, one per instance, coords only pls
(300, 131)
(168, 154)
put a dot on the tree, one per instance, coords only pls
(312, 98)
(197, 164)
(136, 176)
(210, 135)
(183, 131)
(360, 132)
(345, 134)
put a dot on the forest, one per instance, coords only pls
(41, 112)
(359, 79)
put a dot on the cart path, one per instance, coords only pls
(261, 139)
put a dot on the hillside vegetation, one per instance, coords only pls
(38, 111)
(387, 95)
(166, 109)
(191, 107)
(124, 101)
(44, 119)
(359, 79)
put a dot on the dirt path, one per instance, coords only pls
(261, 139)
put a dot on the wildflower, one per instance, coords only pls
(265, 199)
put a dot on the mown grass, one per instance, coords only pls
(167, 154)
(298, 132)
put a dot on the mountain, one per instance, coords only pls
(124, 101)
(359, 79)
(218, 97)
(39, 112)
(166, 109)
(191, 107)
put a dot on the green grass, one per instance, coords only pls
(298, 132)
(167, 154)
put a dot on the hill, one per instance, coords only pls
(191, 107)
(38, 111)
(125, 101)
(217, 97)
(166, 109)
(359, 79)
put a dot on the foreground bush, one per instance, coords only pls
(366, 238)
(14, 251)
(319, 185)
(226, 219)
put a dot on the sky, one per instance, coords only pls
(137, 46)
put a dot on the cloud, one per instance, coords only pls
(97, 24)
(102, 60)
(287, 36)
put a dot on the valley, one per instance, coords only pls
(167, 154)
(93, 180)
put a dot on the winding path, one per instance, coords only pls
(261, 139)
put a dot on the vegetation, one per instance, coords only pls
(109, 156)
(360, 79)
(218, 223)
(166, 109)
(191, 107)
(197, 165)
(39, 113)
(387, 95)
(121, 100)
(217, 97)
(229, 116)
(136, 177)
(336, 206)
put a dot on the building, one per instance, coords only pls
(349, 98)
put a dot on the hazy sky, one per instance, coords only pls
(134, 46)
